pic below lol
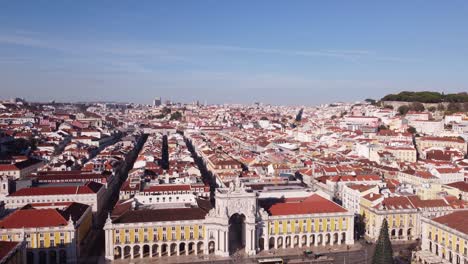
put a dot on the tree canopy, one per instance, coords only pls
(383, 253)
(427, 97)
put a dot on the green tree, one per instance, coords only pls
(418, 107)
(453, 107)
(388, 107)
(440, 107)
(176, 116)
(465, 106)
(432, 109)
(383, 253)
(411, 130)
(403, 109)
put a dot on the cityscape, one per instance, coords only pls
(233, 132)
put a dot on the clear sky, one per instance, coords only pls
(281, 52)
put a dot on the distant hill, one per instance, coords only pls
(427, 97)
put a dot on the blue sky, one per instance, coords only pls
(281, 52)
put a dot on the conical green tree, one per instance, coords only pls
(383, 249)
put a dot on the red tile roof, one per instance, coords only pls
(313, 204)
(462, 186)
(455, 220)
(88, 188)
(33, 218)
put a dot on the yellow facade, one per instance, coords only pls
(311, 225)
(35, 238)
(181, 233)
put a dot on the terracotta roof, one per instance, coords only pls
(88, 188)
(313, 204)
(395, 203)
(451, 139)
(462, 186)
(161, 215)
(372, 196)
(455, 220)
(167, 187)
(33, 218)
(360, 187)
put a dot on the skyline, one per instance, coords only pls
(301, 54)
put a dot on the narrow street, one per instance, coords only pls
(93, 248)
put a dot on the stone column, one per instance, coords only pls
(266, 238)
(226, 242)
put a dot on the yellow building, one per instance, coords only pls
(238, 221)
(403, 215)
(51, 234)
(444, 239)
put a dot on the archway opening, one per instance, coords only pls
(236, 233)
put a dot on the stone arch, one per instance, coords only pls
(42, 257)
(200, 247)
(211, 247)
(261, 243)
(236, 232)
(155, 250)
(191, 248)
(136, 251)
(304, 241)
(335, 238)
(409, 233)
(146, 251)
(288, 241)
(400, 233)
(63, 256)
(393, 233)
(52, 257)
(280, 242)
(117, 252)
(173, 249)
(327, 239)
(271, 243)
(312, 240)
(164, 250)
(343, 237)
(126, 252)
(182, 248)
(296, 241)
(320, 239)
(30, 257)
